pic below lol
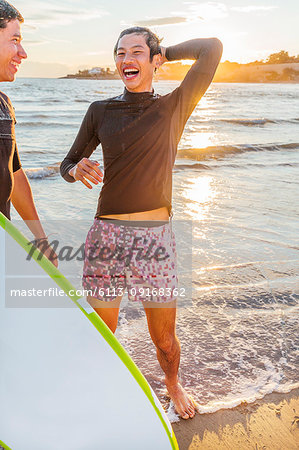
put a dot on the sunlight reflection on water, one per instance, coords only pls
(198, 194)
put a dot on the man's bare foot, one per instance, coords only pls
(184, 404)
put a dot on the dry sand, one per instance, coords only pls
(269, 423)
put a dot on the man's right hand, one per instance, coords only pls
(49, 253)
(163, 58)
(86, 169)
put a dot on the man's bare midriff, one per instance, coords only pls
(154, 214)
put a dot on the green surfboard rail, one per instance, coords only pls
(93, 317)
(2, 445)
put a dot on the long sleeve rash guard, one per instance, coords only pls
(9, 157)
(140, 132)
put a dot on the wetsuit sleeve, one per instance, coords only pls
(10, 113)
(16, 163)
(86, 141)
(207, 53)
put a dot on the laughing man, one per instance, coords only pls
(14, 184)
(139, 131)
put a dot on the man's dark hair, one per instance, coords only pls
(151, 39)
(8, 13)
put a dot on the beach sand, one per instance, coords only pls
(269, 423)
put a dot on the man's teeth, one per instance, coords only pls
(131, 72)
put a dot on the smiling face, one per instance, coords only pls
(11, 50)
(133, 63)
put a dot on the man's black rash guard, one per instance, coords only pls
(140, 132)
(9, 157)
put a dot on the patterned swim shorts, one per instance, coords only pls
(132, 257)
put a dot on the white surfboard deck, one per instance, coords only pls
(63, 387)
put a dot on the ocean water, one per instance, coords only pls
(235, 188)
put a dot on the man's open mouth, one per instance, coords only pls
(15, 64)
(130, 73)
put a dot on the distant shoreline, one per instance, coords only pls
(92, 77)
(227, 72)
(258, 73)
(173, 79)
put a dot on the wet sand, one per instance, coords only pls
(269, 423)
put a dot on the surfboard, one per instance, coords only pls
(65, 380)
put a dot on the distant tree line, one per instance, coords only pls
(281, 57)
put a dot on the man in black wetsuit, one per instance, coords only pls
(14, 185)
(139, 132)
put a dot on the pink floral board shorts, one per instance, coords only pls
(130, 257)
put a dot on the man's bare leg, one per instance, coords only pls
(108, 311)
(161, 325)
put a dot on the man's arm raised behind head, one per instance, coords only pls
(207, 53)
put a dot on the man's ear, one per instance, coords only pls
(157, 60)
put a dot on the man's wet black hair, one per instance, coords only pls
(151, 39)
(8, 13)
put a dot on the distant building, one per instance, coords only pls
(96, 71)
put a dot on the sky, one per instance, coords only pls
(62, 36)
